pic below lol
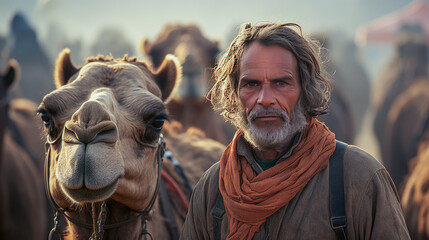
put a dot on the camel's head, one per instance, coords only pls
(101, 122)
(196, 54)
(8, 78)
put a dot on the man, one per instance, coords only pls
(274, 176)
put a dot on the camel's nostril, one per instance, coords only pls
(107, 136)
(102, 132)
(90, 122)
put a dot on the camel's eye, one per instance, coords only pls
(48, 122)
(158, 122)
(154, 128)
(45, 118)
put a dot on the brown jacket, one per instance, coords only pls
(372, 206)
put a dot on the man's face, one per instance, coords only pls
(269, 89)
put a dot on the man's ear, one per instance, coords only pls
(11, 74)
(168, 75)
(64, 68)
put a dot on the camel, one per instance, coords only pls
(415, 194)
(408, 64)
(22, 200)
(406, 122)
(415, 197)
(197, 56)
(8, 80)
(192, 144)
(356, 82)
(105, 145)
(25, 129)
(340, 117)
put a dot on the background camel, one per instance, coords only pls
(409, 64)
(103, 124)
(197, 56)
(413, 142)
(25, 129)
(407, 121)
(22, 199)
(415, 198)
(192, 144)
(340, 117)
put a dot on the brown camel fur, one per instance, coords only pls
(415, 197)
(406, 122)
(22, 205)
(409, 63)
(103, 123)
(192, 144)
(197, 56)
(26, 130)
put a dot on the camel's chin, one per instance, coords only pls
(84, 195)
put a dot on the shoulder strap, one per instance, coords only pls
(218, 212)
(336, 196)
(336, 191)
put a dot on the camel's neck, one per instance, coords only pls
(114, 215)
(3, 124)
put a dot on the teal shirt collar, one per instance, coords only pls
(245, 149)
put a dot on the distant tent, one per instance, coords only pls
(383, 30)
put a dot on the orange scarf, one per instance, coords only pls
(250, 199)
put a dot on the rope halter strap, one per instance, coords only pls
(145, 215)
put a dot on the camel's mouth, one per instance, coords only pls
(84, 195)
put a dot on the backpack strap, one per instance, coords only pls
(336, 191)
(218, 212)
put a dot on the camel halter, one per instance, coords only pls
(99, 226)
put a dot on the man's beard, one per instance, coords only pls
(269, 138)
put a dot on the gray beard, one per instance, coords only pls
(275, 139)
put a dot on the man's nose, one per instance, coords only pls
(266, 96)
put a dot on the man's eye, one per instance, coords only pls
(281, 83)
(252, 84)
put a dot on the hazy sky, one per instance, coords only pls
(82, 19)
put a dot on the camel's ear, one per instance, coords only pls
(11, 74)
(64, 68)
(168, 75)
(145, 46)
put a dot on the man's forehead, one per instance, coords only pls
(257, 52)
(273, 60)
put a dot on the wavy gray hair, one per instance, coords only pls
(315, 81)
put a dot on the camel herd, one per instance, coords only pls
(116, 148)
